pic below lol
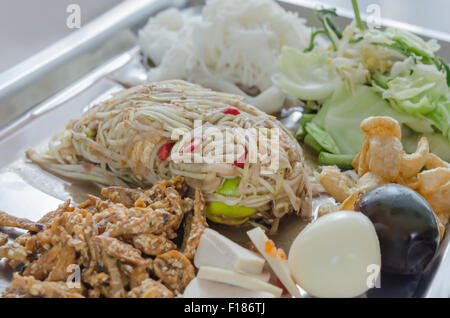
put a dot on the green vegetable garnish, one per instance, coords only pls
(329, 159)
(220, 212)
(306, 118)
(386, 72)
(225, 220)
(327, 25)
(230, 187)
(306, 75)
(301, 132)
(322, 137)
(359, 22)
(91, 133)
(311, 142)
(226, 214)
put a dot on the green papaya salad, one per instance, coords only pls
(365, 72)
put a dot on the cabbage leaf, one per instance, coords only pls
(306, 75)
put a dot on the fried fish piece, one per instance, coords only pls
(116, 287)
(119, 249)
(3, 239)
(126, 196)
(153, 221)
(52, 214)
(97, 236)
(12, 221)
(135, 275)
(14, 252)
(195, 226)
(150, 289)
(129, 197)
(66, 257)
(152, 244)
(158, 191)
(175, 270)
(33, 287)
(40, 268)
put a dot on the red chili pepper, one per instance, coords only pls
(231, 111)
(164, 150)
(88, 166)
(194, 144)
(241, 160)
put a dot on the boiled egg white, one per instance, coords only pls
(338, 255)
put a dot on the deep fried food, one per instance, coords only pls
(40, 268)
(150, 289)
(335, 183)
(117, 288)
(31, 286)
(152, 244)
(119, 249)
(195, 226)
(3, 239)
(434, 186)
(175, 270)
(12, 221)
(105, 247)
(382, 160)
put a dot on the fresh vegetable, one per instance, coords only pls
(164, 150)
(306, 75)
(406, 226)
(240, 162)
(311, 142)
(220, 212)
(230, 187)
(329, 159)
(342, 114)
(231, 111)
(322, 137)
(329, 29)
(366, 72)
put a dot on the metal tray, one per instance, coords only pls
(38, 96)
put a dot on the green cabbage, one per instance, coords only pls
(342, 114)
(420, 91)
(306, 75)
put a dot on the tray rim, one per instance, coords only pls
(128, 13)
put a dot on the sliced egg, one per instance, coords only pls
(338, 255)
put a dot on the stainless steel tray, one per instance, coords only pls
(38, 96)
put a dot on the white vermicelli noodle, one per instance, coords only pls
(234, 43)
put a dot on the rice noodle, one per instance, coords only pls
(235, 45)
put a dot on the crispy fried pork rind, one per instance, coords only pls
(382, 159)
(3, 239)
(434, 185)
(108, 248)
